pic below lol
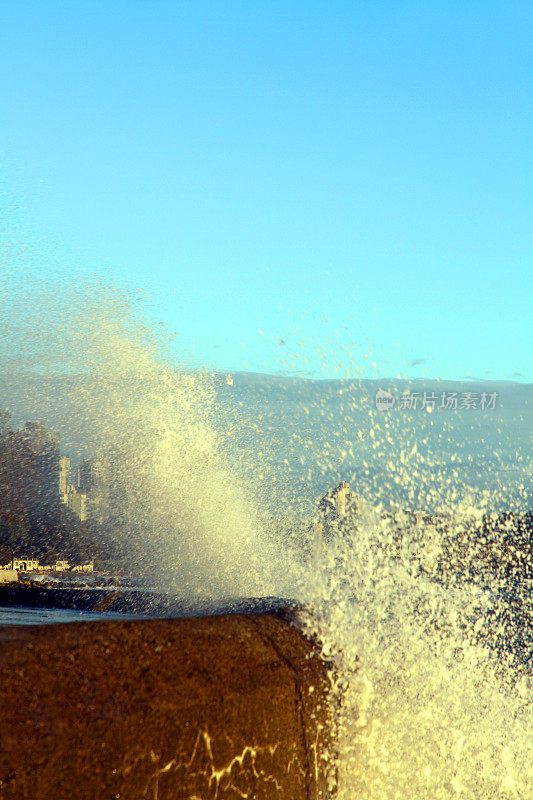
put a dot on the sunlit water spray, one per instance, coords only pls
(426, 707)
(434, 700)
(87, 364)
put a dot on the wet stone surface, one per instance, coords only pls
(227, 706)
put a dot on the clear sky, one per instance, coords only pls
(282, 176)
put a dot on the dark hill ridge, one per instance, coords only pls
(19, 393)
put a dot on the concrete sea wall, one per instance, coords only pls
(216, 707)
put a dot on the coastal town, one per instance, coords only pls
(29, 566)
(48, 513)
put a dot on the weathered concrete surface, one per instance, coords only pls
(219, 707)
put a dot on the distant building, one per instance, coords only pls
(61, 565)
(342, 495)
(86, 476)
(32, 565)
(25, 564)
(89, 567)
(340, 501)
(45, 445)
(64, 478)
(339, 509)
(77, 502)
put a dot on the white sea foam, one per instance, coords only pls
(427, 709)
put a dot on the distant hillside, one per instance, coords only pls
(296, 437)
(316, 433)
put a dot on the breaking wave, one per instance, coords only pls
(432, 700)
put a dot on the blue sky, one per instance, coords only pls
(344, 182)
